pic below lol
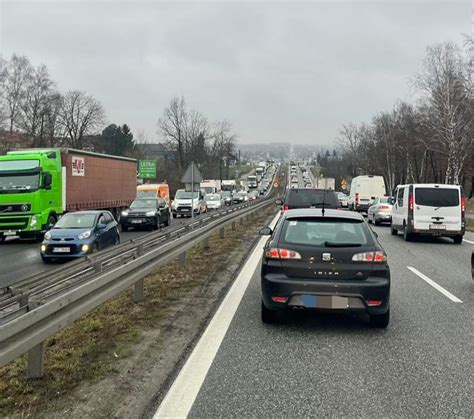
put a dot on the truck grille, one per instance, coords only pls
(13, 208)
(13, 223)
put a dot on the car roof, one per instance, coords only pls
(430, 185)
(317, 212)
(89, 212)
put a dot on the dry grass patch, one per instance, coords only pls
(88, 350)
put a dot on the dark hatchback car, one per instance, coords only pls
(309, 198)
(146, 212)
(324, 262)
(78, 233)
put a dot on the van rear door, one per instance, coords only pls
(437, 208)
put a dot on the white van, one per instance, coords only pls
(364, 191)
(436, 210)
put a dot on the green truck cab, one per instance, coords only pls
(31, 192)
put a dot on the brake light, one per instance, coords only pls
(279, 299)
(374, 303)
(285, 207)
(275, 253)
(377, 257)
(357, 198)
(463, 205)
(410, 204)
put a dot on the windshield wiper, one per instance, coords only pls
(334, 244)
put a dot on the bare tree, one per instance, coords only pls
(80, 115)
(18, 71)
(449, 117)
(34, 104)
(53, 131)
(173, 128)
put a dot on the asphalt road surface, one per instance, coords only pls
(325, 365)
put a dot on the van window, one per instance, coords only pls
(437, 197)
(400, 197)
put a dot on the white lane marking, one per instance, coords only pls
(468, 241)
(435, 285)
(185, 388)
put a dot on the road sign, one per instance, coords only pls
(147, 169)
(192, 174)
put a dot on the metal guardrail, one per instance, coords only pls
(36, 308)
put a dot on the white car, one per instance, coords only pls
(214, 201)
(429, 209)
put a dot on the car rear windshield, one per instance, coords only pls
(307, 198)
(437, 197)
(326, 232)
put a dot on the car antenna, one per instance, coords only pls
(324, 198)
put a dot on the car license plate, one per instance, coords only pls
(139, 221)
(9, 233)
(437, 227)
(185, 210)
(61, 250)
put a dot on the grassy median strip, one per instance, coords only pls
(90, 349)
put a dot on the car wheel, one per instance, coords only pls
(174, 216)
(95, 248)
(117, 240)
(368, 219)
(457, 239)
(2, 239)
(45, 259)
(376, 222)
(124, 227)
(158, 224)
(269, 316)
(406, 235)
(380, 321)
(167, 222)
(393, 231)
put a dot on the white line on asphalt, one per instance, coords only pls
(185, 388)
(468, 241)
(435, 285)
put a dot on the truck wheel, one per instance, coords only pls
(457, 239)
(51, 222)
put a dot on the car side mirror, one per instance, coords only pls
(278, 202)
(265, 231)
(392, 200)
(375, 234)
(47, 181)
(101, 226)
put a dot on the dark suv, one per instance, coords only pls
(146, 212)
(309, 198)
(324, 262)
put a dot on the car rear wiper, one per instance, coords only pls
(334, 244)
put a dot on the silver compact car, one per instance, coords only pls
(380, 211)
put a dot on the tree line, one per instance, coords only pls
(430, 141)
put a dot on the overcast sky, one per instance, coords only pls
(281, 71)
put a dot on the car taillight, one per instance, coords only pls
(370, 257)
(357, 197)
(463, 205)
(275, 253)
(384, 207)
(285, 207)
(410, 204)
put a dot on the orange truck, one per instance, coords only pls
(154, 190)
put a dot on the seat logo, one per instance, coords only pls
(326, 257)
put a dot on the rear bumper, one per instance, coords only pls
(361, 207)
(383, 216)
(440, 233)
(356, 292)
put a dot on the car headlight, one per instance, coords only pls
(47, 236)
(150, 213)
(173, 206)
(33, 221)
(196, 204)
(43, 248)
(84, 235)
(124, 213)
